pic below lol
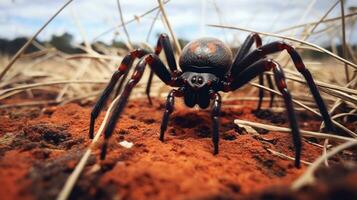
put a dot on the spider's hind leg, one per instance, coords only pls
(299, 65)
(261, 91)
(255, 70)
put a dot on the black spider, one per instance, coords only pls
(207, 68)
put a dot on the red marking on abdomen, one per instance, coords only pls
(212, 47)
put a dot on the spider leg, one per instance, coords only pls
(216, 109)
(260, 67)
(123, 69)
(121, 83)
(160, 70)
(261, 91)
(170, 102)
(271, 86)
(148, 86)
(163, 43)
(243, 51)
(300, 66)
(236, 69)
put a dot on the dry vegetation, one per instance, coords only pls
(61, 78)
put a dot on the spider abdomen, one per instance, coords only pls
(206, 55)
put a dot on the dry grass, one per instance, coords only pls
(81, 76)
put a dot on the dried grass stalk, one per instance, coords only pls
(72, 179)
(289, 38)
(308, 176)
(27, 44)
(303, 132)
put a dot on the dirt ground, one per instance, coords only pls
(39, 148)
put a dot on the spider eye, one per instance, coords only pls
(194, 79)
(200, 80)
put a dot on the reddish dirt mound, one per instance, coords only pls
(40, 148)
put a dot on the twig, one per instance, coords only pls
(38, 53)
(341, 95)
(344, 48)
(292, 39)
(72, 179)
(130, 45)
(313, 23)
(324, 152)
(167, 22)
(152, 26)
(306, 12)
(28, 86)
(344, 114)
(339, 101)
(27, 44)
(303, 132)
(93, 94)
(99, 56)
(128, 22)
(322, 84)
(321, 19)
(308, 176)
(308, 108)
(286, 156)
(32, 103)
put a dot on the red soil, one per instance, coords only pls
(40, 148)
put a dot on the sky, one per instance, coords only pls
(89, 18)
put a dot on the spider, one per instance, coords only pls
(207, 68)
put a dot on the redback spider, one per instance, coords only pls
(207, 67)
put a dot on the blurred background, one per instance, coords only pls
(75, 54)
(95, 20)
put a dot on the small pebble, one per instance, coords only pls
(126, 144)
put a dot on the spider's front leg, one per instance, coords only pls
(236, 68)
(122, 70)
(255, 70)
(216, 110)
(159, 69)
(170, 102)
(163, 43)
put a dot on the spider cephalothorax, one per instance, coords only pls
(207, 68)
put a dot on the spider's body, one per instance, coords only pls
(207, 67)
(206, 55)
(204, 63)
